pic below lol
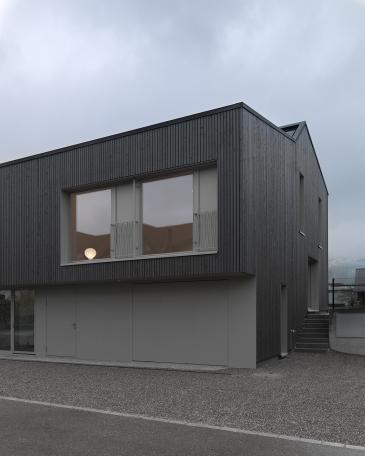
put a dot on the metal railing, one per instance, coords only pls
(344, 293)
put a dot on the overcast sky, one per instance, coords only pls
(74, 70)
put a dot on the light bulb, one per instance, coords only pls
(90, 253)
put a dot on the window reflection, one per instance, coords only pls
(24, 321)
(5, 319)
(90, 225)
(168, 215)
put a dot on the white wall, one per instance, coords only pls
(352, 345)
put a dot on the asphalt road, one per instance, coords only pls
(30, 429)
(311, 395)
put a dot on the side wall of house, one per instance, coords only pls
(314, 244)
(270, 166)
(267, 164)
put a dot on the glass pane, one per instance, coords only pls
(90, 225)
(168, 215)
(5, 319)
(24, 321)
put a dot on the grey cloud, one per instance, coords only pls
(76, 70)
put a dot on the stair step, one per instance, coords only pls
(317, 320)
(311, 340)
(317, 316)
(312, 329)
(311, 345)
(311, 350)
(315, 325)
(316, 335)
(314, 321)
(313, 336)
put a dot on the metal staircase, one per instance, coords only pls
(313, 337)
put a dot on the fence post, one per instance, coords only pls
(333, 294)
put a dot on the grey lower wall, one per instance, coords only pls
(352, 345)
(211, 322)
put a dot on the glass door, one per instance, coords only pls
(5, 320)
(17, 321)
(24, 321)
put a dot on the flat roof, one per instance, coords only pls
(146, 128)
(291, 131)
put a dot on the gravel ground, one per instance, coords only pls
(319, 396)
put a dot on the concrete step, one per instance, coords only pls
(320, 340)
(315, 325)
(318, 335)
(314, 321)
(313, 336)
(314, 330)
(317, 317)
(311, 350)
(311, 345)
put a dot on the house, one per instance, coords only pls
(201, 240)
(347, 329)
(359, 288)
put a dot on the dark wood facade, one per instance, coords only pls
(258, 174)
(282, 252)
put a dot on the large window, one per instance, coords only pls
(17, 320)
(168, 215)
(172, 214)
(5, 320)
(24, 321)
(90, 225)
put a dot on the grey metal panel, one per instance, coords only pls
(205, 210)
(242, 322)
(61, 323)
(208, 234)
(104, 323)
(197, 322)
(122, 239)
(181, 323)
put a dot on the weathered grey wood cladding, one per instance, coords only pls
(258, 217)
(31, 192)
(281, 251)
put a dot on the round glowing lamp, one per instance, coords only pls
(90, 253)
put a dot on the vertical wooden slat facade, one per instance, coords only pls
(258, 168)
(273, 163)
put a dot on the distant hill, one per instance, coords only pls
(343, 269)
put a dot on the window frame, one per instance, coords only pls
(12, 321)
(137, 204)
(320, 223)
(70, 219)
(301, 204)
(141, 203)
